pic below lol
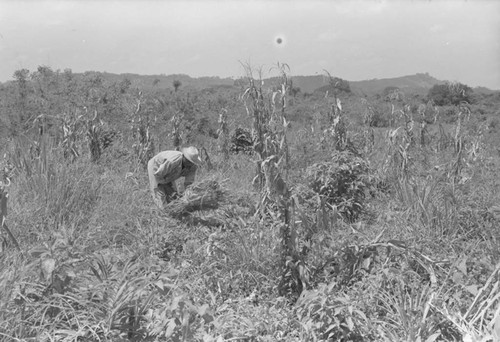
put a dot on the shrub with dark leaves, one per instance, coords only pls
(242, 141)
(342, 181)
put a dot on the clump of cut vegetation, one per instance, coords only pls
(207, 194)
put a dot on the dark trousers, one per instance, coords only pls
(164, 193)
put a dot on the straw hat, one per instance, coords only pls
(191, 153)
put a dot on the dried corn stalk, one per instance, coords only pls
(3, 213)
(223, 135)
(93, 131)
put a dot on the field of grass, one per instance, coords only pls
(349, 220)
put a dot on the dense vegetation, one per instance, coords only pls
(450, 93)
(346, 218)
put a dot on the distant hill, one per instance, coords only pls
(484, 90)
(308, 84)
(412, 84)
(166, 81)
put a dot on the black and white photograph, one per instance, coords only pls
(249, 171)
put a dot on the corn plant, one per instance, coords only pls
(423, 124)
(269, 125)
(176, 132)
(6, 169)
(280, 117)
(445, 139)
(336, 133)
(436, 110)
(398, 158)
(223, 135)
(143, 141)
(338, 126)
(375, 114)
(260, 113)
(93, 130)
(458, 144)
(4, 195)
(270, 143)
(368, 133)
(409, 136)
(71, 131)
(475, 145)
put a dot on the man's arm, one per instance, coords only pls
(162, 169)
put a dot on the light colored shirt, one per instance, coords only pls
(167, 167)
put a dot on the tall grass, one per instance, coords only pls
(47, 193)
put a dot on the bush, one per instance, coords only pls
(450, 114)
(342, 181)
(450, 93)
(380, 118)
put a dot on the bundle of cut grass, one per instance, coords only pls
(204, 195)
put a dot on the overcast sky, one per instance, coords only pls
(355, 40)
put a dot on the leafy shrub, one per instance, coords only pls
(450, 93)
(450, 114)
(342, 181)
(328, 315)
(380, 118)
(241, 141)
(378, 114)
